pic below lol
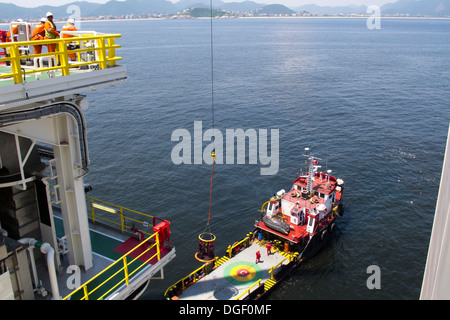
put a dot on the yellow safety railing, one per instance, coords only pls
(118, 216)
(104, 56)
(245, 242)
(248, 290)
(276, 266)
(265, 203)
(124, 269)
(191, 278)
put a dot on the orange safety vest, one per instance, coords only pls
(38, 32)
(68, 27)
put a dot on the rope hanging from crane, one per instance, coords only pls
(205, 251)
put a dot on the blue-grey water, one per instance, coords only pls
(373, 104)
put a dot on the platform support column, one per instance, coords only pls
(72, 195)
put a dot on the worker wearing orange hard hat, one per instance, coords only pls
(38, 34)
(51, 32)
(69, 26)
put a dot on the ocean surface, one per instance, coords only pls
(373, 104)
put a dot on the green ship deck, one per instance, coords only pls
(31, 77)
(107, 247)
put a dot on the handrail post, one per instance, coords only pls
(111, 51)
(92, 209)
(63, 58)
(86, 295)
(125, 269)
(102, 53)
(15, 64)
(122, 224)
(158, 251)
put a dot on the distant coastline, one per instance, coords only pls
(91, 19)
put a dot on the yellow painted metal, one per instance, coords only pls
(105, 48)
(245, 240)
(122, 215)
(276, 266)
(193, 276)
(124, 269)
(248, 290)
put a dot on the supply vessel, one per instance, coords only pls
(56, 242)
(292, 227)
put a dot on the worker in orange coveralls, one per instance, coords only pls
(51, 32)
(258, 256)
(9, 38)
(14, 31)
(70, 26)
(38, 34)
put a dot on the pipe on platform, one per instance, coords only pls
(50, 255)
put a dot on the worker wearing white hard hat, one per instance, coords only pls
(69, 26)
(51, 32)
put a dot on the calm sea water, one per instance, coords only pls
(373, 104)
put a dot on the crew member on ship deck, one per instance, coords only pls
(70, 26)
(9, 38)
(14, 30)
(38, 34)
(51, 32)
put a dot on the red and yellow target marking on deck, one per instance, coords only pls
(242, 271)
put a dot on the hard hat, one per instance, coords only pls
(49, 14)
(43, 19)
(71, 21)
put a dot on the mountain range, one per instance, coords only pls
(437, 8)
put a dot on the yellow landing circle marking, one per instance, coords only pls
(242, 271)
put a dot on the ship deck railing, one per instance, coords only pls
(118, 273)
(206, 268)
(94, 50)
(119, 217)
(148, 256)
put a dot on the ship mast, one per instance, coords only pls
(312, 163)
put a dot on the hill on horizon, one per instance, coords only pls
(114, 8)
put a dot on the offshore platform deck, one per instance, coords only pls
(55, 242)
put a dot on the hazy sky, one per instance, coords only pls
(291, 3)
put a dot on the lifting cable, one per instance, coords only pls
(213, 154)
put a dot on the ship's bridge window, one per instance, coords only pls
(321, 195)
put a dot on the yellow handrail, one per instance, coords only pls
(119, 212)
(106, 56)
(276, 266)
(193, 274)
(126, 276)
(230, 248)
(264, 204)
(248, 290)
